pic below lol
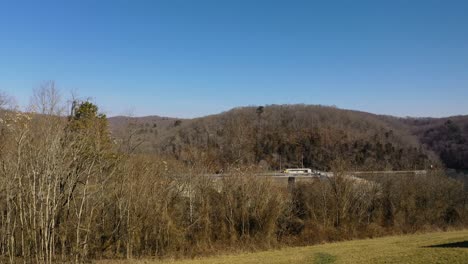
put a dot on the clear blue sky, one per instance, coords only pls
(195, 57)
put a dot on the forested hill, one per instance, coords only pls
(447, 137)
(279, 136)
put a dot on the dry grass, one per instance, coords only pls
(395, 249)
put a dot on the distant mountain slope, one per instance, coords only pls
(146, 131)
(279, 136)
(447, 137)
(121, 122)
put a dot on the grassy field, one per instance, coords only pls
(442, 247)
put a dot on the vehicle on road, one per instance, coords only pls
(298, 171)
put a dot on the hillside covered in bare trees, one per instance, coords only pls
(280, 136)
(447, 137)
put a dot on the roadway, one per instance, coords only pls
(322, 174)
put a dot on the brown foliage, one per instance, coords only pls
(68, 192)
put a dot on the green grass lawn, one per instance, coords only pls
(395, 249)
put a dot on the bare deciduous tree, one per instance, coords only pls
(46, 100)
